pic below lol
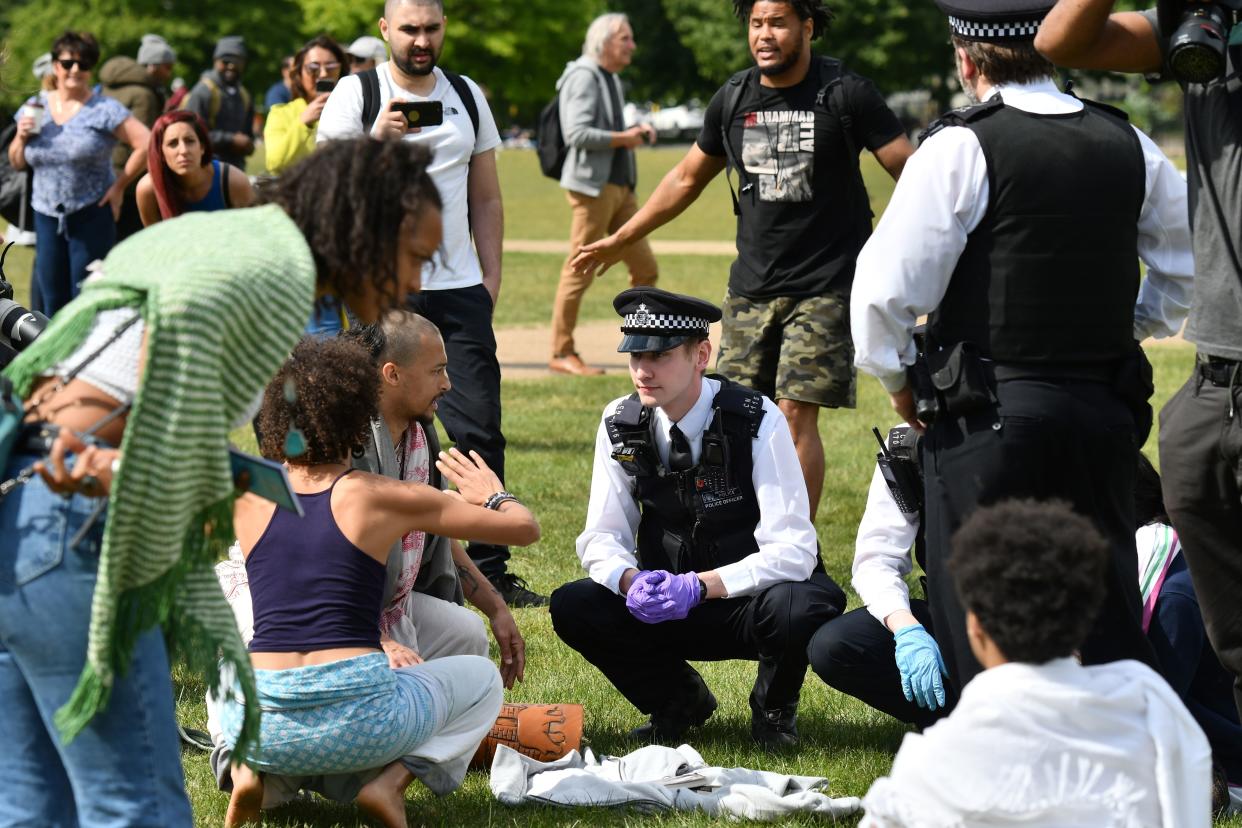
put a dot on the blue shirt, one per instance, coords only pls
(277, 93)
(72, 162)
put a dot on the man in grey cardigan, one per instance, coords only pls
(599, 173)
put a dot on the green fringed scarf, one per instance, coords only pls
(224, 297)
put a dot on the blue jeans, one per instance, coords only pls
(61, 259)
(124, 768)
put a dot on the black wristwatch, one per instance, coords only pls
(702, 590)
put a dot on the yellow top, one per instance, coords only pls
(285, 138)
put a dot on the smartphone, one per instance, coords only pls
(265, 478)
(421, 113)
(324, 85)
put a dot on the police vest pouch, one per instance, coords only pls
(960, 379)
(1135, 385)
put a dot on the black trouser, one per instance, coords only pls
(1201, 466)
(857, 655)
(470, 411)
(130, 220)
(1072, 441)
(647, 662)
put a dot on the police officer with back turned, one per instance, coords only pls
(1018, 224)
(698, 542)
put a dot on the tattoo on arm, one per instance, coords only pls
(469, 583)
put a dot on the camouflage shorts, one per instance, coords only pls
(790, 348)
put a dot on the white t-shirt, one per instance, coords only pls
(456, 265)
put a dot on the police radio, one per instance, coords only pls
(899, 463)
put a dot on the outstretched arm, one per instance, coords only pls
(677, 191)
(1084, 34)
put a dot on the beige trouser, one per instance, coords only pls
(594, 218)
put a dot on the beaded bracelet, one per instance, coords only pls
(500, 497)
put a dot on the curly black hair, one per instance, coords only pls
(337, 397)
(813, 10)
(349, 199)
(81, 44)
(1033, 573)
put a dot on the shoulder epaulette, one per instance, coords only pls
(741, 401)
(961, 116)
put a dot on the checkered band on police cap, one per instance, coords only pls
(656, 312)
(642, 319)
(995, 21)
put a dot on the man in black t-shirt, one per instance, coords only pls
(795, 125)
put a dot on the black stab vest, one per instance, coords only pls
(704, 517)
(1051, 273)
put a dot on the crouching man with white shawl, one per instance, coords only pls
(1037, 738)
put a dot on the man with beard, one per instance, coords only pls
(791, 128)
(224, 104)
(1018, 225)
(461, 286)
(428, 575)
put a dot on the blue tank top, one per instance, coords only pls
(217, 197)
(312, 589)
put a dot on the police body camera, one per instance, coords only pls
(899, 461)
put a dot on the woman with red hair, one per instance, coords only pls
(182, 176)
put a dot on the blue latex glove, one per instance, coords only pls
(921, 666)
(658, 596)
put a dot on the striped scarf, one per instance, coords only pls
(1157, 545)
(224, 297)
(414, 462)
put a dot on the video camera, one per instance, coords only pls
(19, 326)
(1200, 36)
(900, 462)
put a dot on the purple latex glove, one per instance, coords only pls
(658, 596)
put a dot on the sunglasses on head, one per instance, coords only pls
(316, 68)
(69, 63)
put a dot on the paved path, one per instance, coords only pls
(524, 351)
(664, 248)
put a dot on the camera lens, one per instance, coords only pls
(19, 325)
(1197, 48)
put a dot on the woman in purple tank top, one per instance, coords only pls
(182, 176)
(332, 704)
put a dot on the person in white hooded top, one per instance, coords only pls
(1036, 738)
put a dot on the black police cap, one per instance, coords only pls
(995, 21)
(655, 320)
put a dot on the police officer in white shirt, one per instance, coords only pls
(883, 653)
(1019, 222)
(698, 543)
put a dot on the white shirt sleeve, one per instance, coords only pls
(882, 552)
(904, 269)
(1164, 246)
(488, 136)
(342, 113)
(606, 545)
(786, 538)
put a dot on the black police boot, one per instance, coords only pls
(515, 592)
(669, 726)
(775, 729)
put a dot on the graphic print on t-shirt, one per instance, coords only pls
(778, 149)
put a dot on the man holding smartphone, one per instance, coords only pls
(460, 288)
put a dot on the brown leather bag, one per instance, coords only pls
(540, 731)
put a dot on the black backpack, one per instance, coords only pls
(830, 98)
(549, 140)
(371, 98)
(15, 185)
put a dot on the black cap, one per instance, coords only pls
(995, 21)
(655, 320)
